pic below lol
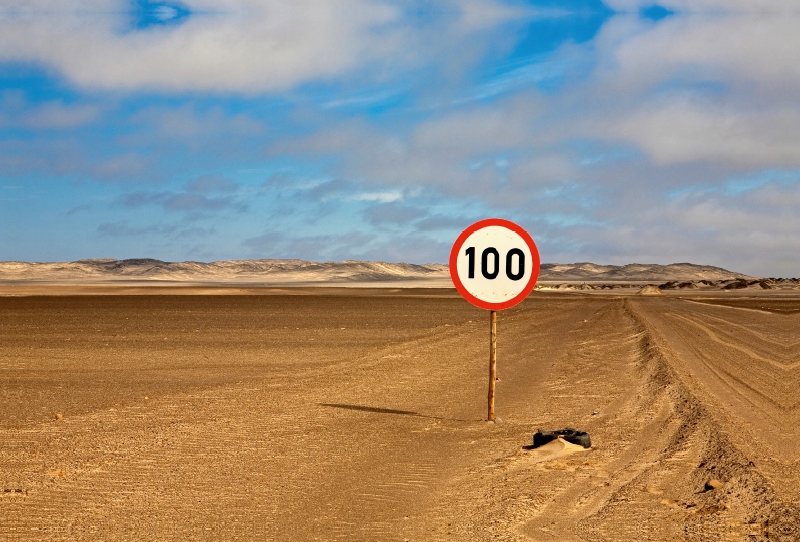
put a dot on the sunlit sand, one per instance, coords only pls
(361, 414)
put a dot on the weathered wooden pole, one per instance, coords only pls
(492, 361)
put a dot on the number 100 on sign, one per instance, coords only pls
(494, 264)
(490, 263)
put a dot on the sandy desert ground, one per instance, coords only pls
(359, 415)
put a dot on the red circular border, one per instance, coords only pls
(457, 248)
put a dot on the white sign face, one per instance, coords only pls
(494, 266)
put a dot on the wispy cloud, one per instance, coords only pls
(392, 213)
(383, 197)
(205, 193)
(440, 222)
(16, 111)
(123, 229)
(174, 231)
(79, 209)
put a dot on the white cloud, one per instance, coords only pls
(224, 45)
(756, 49)
(722, 89)
(229, 45)
(755, 232)
(681, 131)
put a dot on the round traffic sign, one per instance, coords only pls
(494, 264)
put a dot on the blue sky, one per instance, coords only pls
(614, 132)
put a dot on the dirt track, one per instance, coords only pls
(360, 417)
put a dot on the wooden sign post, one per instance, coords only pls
(492, 361)
(494, 265)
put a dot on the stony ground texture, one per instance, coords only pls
(359, 416)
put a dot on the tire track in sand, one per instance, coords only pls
(654, 448)
(654, 488)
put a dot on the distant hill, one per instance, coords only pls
(635, 272)
(233, 271)
(105, 270)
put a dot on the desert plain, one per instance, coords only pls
(360, 414)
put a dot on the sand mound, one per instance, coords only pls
(555, 449)
(651, 290)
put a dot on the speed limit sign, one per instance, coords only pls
(494, 265)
